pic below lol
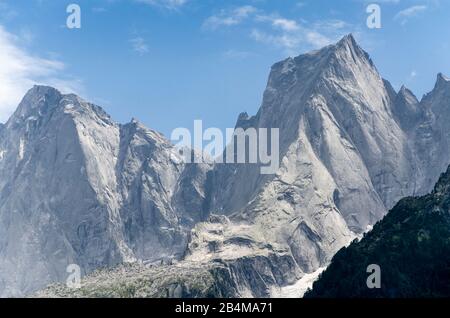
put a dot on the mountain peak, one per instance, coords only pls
(442, 83)
(43, 89)
(349, 44)
(42, 100)
(442, 79)
(407, 94)
(37, 100)
(40, 91)
(406, 108)
(242, 118)
(135, 125)
(348, 39)
(346, 50)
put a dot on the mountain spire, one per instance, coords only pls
(38, 99)
(442, 81)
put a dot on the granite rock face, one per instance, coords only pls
(345, 157)
(76, 187)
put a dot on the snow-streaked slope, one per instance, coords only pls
(298, 289)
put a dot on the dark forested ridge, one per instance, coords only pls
(411, 245)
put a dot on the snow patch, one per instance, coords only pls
(298, 289)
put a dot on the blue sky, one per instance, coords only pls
(169, 62)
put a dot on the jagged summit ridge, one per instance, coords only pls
(442, 83)
(36, 100)
(441, 76)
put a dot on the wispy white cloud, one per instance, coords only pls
(275, 30)
(20, 70)
(6, 12)
(285, 41)
(292, 43)
(382, 1)
(279, 22)
(139, 45)
(168, 4)
(413, 11)
(233, 54)
(293, 38)
(229, 17)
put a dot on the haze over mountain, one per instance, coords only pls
(76, 187)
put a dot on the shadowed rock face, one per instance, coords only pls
(410, 245)
(76, 187)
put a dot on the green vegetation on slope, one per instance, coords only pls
(411, 245)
